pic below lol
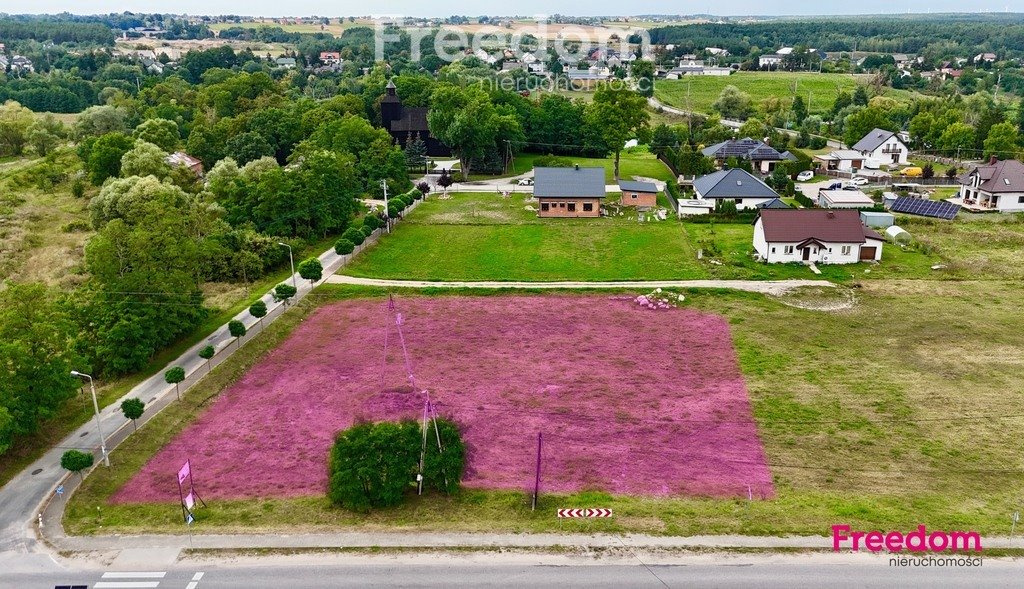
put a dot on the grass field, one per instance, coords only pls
(481, 236)
(634, 162)
(555, 356)
(43, 228)
(704, 90)
(883, 416)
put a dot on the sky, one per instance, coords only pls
(505, 7)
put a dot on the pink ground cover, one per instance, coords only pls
(630, 400)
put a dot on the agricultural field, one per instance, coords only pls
(704, 90)
(551, 364)
(336, 26)
(855, 407)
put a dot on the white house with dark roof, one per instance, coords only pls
(815, 235)
(736, 185)
(844, 160)
(997, 186)
(884, 147)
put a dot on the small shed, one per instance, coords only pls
(638, 194)
(877, 219)
(897, 234)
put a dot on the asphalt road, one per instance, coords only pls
(701, 571)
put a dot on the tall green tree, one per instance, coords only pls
(616, 116)
(733, 103)
(1003, 141)
(36, 359)
(465, 120)
(642, 72)
(160, 132)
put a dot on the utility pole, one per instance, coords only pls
(387, 214)
(536, 480)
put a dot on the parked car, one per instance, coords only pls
(912, 172)
(805, 176)
(860, 180)
(835, 186)
(525, 182)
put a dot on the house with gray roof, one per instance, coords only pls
(883, 147)
(638, 194)
(569, 192)
(736, 185)
(762, 157)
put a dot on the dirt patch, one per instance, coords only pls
(819, 298)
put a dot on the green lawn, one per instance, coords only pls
(634, 162)
(883, 416)
(482, 236)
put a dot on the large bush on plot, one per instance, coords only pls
(442, 470)
(374, 465)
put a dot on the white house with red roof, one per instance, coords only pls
(815, 235)
(997, 186)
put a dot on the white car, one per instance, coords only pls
(525, 182)
(860, 181)
(804, 176)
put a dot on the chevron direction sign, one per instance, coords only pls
(584, 512)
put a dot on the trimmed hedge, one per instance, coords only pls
(343, 247)
(355, 235)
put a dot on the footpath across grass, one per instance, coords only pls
(893, 413)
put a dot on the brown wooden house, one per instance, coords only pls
(569, 192)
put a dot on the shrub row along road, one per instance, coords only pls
(22, 497)
(772, 287)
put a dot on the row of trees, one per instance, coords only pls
(480, 125)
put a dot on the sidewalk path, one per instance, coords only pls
(772, 287)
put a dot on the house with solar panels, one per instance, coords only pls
(817, 236)
(762, 157)
(996, 186)
(736, 185)
(569, 192)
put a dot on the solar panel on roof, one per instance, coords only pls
(925, 207)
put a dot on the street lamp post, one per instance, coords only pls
(96, 409)
(291, 261)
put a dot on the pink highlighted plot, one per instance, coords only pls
(630, 400)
